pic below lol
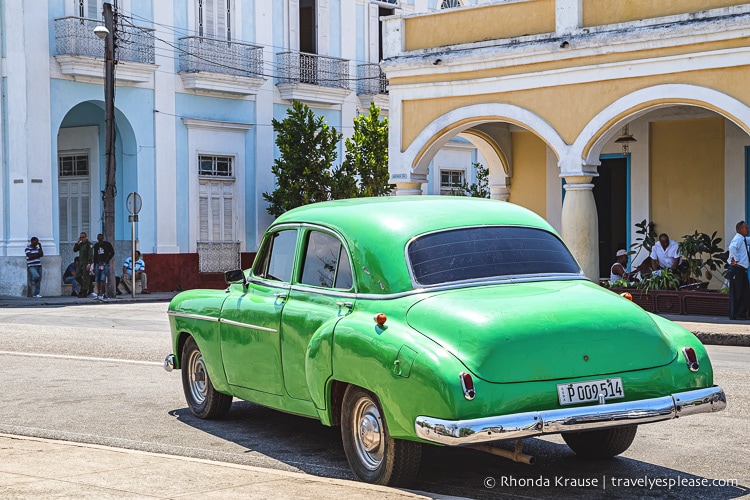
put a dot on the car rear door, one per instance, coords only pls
(323, 294)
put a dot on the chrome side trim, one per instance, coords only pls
(192, 316)
(247, 325)
(522, 425)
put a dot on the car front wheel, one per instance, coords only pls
(203, 400)
(373, 456)
(603, 443)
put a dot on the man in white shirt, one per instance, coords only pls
(665, 254)
(739, 261)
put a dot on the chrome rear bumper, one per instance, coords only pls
(535, 423)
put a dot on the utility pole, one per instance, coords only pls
(109, 139)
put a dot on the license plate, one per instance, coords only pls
(591, 390)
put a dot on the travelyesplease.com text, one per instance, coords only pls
(605, 482)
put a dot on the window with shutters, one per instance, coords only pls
(74, 199)
(218, 248)
(215, 19)
(216, 198)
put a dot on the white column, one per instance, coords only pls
(580, 226)
(500, 192)
(165, 136)
(408, 188)
(29, 157)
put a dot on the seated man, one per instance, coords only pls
(617, 271)
(69, 277)
(665, 254)
(140, 273)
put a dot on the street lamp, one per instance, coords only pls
(107, 33)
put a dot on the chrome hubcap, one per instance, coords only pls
(368, 433)
(198, 377)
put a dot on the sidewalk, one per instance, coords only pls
(711, 330)
(33, 468)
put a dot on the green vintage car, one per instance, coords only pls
(444, 320)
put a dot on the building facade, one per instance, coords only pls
(596, 115)
(198, 83)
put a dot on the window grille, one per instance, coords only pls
(73, 165)
(450, 4)
(451, 181)
(215, 166)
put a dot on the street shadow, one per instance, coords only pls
(292, 442)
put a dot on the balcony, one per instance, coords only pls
(81, 54)
(313, 78)
(372, 86)
(213, 65)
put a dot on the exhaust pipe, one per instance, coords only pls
(517, 455)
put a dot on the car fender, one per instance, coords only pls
(196, 313)
(365, 355)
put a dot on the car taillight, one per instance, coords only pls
(691, 359)
(467, 384)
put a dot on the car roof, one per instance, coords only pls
(376, 230)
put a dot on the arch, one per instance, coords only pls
(605, 125)
(440, 131)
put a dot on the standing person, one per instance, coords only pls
(140, 273)
(85, 257)
(34, 254)
(69, 276)
(739, 261)
(665, 253)
(103, 253)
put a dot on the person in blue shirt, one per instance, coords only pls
(739, 261)
(69, 276)
(140, 273)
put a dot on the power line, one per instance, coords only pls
(227, 66)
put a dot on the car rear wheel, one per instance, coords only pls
(373, 456)
(603, 443)
(203, 400)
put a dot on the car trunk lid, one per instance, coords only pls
(541, 330)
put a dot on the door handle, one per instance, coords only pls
(280, 295)
(348, 305)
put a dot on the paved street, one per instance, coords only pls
(92, 374)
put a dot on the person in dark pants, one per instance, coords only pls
(739, 261)
(85, 258)
(103, 253)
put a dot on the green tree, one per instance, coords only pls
(364, 171)
(308, 148)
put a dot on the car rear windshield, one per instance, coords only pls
(487, 252)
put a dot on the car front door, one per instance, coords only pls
(250, 317)
(322, 296)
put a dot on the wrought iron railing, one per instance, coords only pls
(220, 56)
(218, 256)
(299, 67)
(75, 36)
(371, 79)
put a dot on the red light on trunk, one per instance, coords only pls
(380, 319)
(691, 358)
(467, 384)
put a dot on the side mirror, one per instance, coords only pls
(235, 276)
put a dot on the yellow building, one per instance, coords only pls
(552, 92)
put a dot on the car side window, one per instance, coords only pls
(277, 256)
(326, 263)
